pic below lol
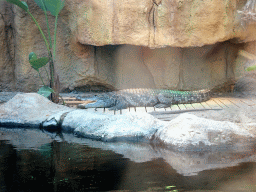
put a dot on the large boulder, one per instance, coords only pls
(200, 133)
(29, 110)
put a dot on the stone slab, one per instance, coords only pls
(28, 110)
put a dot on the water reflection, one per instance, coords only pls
(31, 160)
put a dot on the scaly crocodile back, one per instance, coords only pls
(168, 97)
(146, 98)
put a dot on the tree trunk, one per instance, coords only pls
(54, 83)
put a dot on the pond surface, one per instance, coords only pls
(33, 160)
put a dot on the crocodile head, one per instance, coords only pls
(97, 101)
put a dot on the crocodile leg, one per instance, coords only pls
(97, 104)
(120, 103)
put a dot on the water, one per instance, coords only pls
(32, 160)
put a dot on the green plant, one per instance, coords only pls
(54, 6)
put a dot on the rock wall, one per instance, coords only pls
(7, 64)
(169, 44)
(176, 68)
(159, 23)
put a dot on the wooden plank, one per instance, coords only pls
(237, 102)
(157, 114)
(221, 102)
(188, 106)
(69, 98)
(248, 102)
(175, 107)
(181, 106)
(168, 109)
(214, 104)
(123, 111)
(228, 102)
(150, 109)
(132, 109)
(202, 105)
(140, 109)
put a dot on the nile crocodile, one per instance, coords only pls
(159, 98)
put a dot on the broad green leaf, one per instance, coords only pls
(41, 4)
(23, 5)
(54, 6)
(38, 63)
(32, 56)
(45, 91)
(251, 68)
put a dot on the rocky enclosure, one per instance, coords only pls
(171, 44)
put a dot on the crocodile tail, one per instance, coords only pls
(202, 95)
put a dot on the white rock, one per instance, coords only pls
(29, 109)
(188, 129)
(107, 127)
